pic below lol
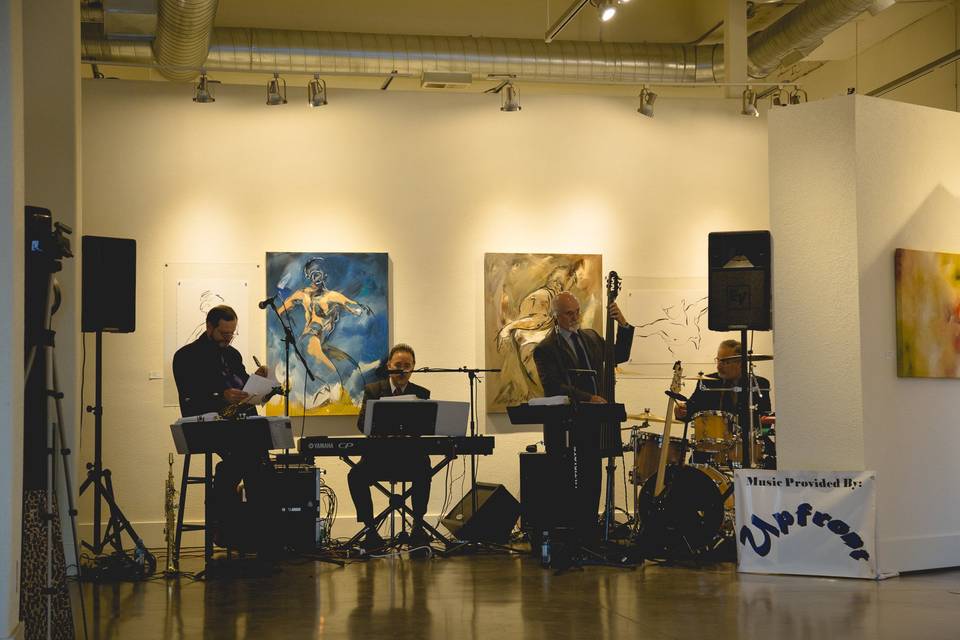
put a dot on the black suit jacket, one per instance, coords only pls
(554, 358)
(198, 372)
(377, 390)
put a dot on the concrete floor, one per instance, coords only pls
(501, 597)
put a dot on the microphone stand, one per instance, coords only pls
(290, 341)
(474, 380)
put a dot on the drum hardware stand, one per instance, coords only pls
(635, 447)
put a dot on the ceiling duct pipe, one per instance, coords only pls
(796, 34)
(183, 36)
(562, 61)
(309, 52)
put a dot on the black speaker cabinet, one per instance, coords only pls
(109, 285)
(297, 493)
(542, 493)
(497, 512)
(741, 274)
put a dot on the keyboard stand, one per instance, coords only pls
(398, 503)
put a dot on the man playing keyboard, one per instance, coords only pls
(415, 469)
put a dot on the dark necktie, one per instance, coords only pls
(582, 361)
(398, 391)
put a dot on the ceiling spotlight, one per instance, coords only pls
(607, 9)
(796, 94)
(317, 92)
(779, 97)
(750, 103)
(647, 98)
(509, 98)
(204, 90)
(277, 90)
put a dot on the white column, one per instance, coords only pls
(851, 180)
(51, 96)
(11, 319)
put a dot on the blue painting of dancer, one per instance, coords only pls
(336, 305)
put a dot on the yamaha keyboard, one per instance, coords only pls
(431, 445)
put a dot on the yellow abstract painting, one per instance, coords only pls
(928, 314)
(518, 290)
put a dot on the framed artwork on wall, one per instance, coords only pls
(518, 290)
(189, 291)
(336, 304)
(928, 314)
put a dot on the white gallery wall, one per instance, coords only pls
(434, 179)
(851, 180)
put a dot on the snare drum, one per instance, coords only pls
(648, 455)
(713, 430)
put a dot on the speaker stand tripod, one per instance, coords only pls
(100, 479)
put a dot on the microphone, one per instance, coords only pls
(266, 303)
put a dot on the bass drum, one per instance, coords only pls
(690, 512)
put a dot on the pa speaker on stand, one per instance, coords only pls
(109, 305)
(741, 276)
(741, 298)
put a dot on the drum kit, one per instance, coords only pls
(697, 503)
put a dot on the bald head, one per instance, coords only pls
(566, 311)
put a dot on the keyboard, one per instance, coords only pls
(430, 445)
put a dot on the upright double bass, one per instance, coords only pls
(611, 445)
(610, 442)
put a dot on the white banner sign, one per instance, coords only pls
(820, 523)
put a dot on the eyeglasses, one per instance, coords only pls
(228, 336)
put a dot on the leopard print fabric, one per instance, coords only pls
(33, 573)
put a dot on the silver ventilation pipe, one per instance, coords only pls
(308, 52)
(796, 34)
(183, 36)
(561, 61)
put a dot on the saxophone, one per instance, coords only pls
(170, 509)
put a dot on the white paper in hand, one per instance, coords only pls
(259, 387)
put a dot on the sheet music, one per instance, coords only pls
(259, 388)
(549, 401)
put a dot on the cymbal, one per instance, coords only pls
(646, 416)
(750, 358)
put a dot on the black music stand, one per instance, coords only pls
(560, 426)
(403, 418)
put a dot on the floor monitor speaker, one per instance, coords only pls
(497, 512)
